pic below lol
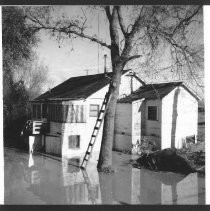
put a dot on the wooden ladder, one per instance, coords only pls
(96, 129)
(90, 190)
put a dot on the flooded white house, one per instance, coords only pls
(71, 109)
(166, 113)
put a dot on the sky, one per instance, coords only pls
(70, 59)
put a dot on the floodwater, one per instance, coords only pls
(40, 179)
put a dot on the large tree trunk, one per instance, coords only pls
(118, 63)
(105, 157)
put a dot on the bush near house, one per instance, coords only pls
(145, 146)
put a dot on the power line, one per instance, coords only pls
(98, 44)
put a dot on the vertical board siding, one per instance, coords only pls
(153, 127)
(67, 113)
(123, 127)
(53, 145)
(136, 122)
(82, 113)
(179, 118)
(36, 110)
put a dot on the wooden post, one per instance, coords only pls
(31, 143)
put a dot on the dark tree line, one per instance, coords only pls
(18, 59)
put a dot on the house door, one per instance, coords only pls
(53, 145)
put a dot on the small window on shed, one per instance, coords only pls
(152, 113)
(74, 142)
(94, 109)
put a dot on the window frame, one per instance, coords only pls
(98, 107)
(37, 111)
(44, 110)
(157, 116)
(78, 143)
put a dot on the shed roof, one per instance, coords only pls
(77, 87)
(151, 91)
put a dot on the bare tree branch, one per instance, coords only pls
(137, 23)
(133, 57)
(108, 13)
(121, 22)
(70, 29)
(187, 19)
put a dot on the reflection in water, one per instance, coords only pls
(106, 182)
(31, 160)
(152, 185)
(78, 186)
(37, 179)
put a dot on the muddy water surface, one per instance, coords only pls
(37, 179)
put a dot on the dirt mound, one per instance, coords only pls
(173, 160)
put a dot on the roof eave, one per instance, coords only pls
(191, 92)
(56, 99)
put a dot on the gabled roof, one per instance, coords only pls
(77, 87)
(151, 91)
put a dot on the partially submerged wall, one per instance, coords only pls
(123, 127)
(179, 117)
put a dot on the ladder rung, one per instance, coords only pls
(87, 153)
(102, 111)
(93, 135)
(90, 144)
(96, 128)
(99, 120)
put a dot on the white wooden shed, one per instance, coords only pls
(166, 113)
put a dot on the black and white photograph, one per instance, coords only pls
(103, 104)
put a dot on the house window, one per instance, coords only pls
(67, 113)
(44, 110)
(74, 142)
(36, 111)
(94, 109)
(152, 113)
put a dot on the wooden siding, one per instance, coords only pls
(36, 111)
(53, 145)
(179, 118)
(123, 127)
(67, 113)
(136, 121)
(153, 127)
